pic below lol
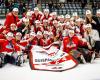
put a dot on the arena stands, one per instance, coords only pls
(67, 7)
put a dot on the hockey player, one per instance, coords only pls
(44, 40)
(45, 25)
(59, 30)
(11, 17)
(45, 15)
(75, 16)
(13, 29)
(61, 18)
(79, 25)
(38, 26)
(51, 38)
(23, 44)
(67, 18)
(25, 27)
(28, 15)
(71, 44)
(34, 40)
(52, 18)
(36, 15)
(10, 50)
(54, 27)
(39, 37)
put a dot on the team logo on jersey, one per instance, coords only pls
(9, 46)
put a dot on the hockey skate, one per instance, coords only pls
(2, 61)
(20, 60)
(83, 59)
(92, 57)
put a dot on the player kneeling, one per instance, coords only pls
(10, 52)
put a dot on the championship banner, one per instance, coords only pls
(50, 59)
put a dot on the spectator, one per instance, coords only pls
(11, 5)
(90, 19)
(39, 6)
(7, 5)
(98, 20)
(1, 1)
(50, 4)
(21, 7)
(92, 36)
(83, 3)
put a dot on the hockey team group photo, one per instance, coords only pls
(50, 35)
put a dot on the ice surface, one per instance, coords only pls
(86, 71)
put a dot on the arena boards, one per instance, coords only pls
(50, 59)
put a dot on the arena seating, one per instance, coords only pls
(69, 8)
(60, 8)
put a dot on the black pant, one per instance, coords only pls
(97, 46)
(9, 59)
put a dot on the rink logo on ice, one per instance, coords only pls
(51, 59)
